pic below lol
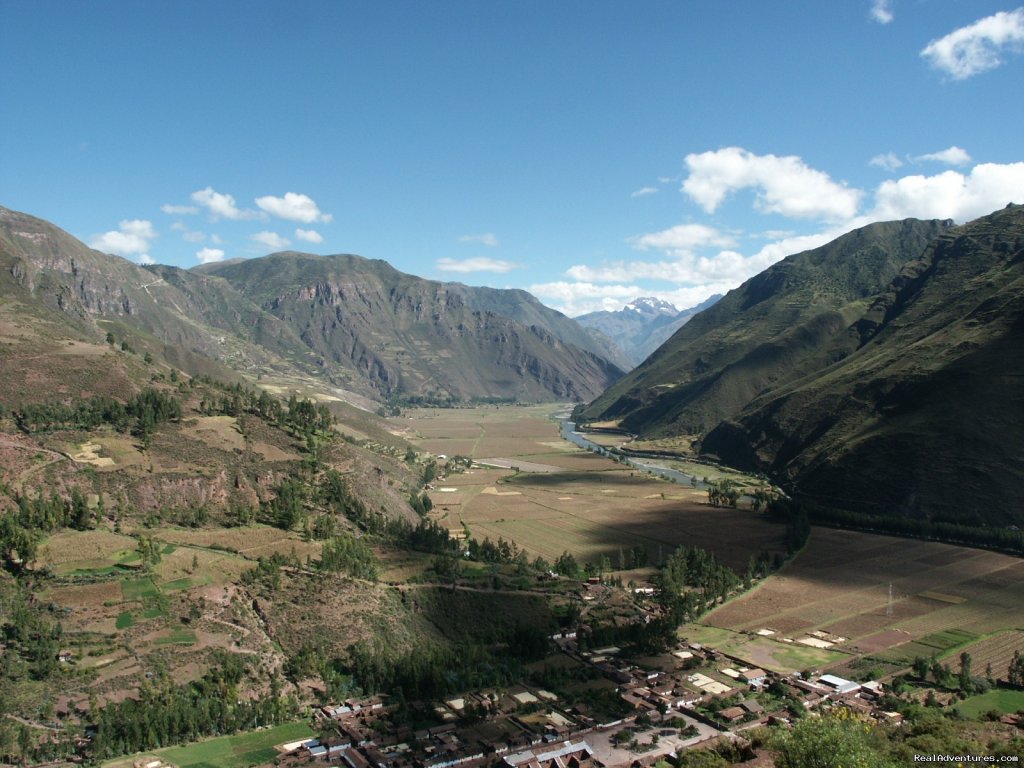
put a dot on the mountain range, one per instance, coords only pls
(881, 372)
(641, 326)
(355, 323)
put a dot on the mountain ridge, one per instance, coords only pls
(446, 338)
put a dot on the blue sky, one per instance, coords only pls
(587, 151)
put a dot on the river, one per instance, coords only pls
(569, 433)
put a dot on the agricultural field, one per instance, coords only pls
(226, 751)
(120, 616)
(834, 600)
(996, 652)
(563, 498)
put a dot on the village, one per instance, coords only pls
(692, 697)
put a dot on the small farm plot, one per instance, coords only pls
(943, 597)
(70, 551)
(996, 653)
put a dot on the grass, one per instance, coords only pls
(1002, 700)
(235, 751)
(139, 589)
(125, 620)
(177, 585)
(178, 636)
(951, 638)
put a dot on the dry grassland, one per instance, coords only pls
(582, 503)
(220, 432)
(84, 549)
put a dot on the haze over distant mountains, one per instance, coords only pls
(881, 372)
(359, 324)
(641, 326)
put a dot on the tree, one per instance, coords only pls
(966, 684)
(1015, 673)
(921, 666)
(566, 565)
(829, 742)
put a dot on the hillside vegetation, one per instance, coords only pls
(879, 374)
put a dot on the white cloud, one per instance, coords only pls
(221, 206)
(188, 235)
(133, 237)
(951, 156)
(881, 11)
(888, 161)
(271, 240)
(976, 48)
(178, 210)
(479, 264)
(208, 255)
(487, 238)
(579, 298)
(309, 235)
(685, 280)
(215, 239)
(683, 238)
(644, 192)
(785, 185)
(294, 206)
(951, 194)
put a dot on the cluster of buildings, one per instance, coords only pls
(530, 728)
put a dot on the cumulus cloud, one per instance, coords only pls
(881, 11)
(188, 235)
(951, 156)
(178, 210)
(479, 264)
(271, 240)
(785, 185)
(309, 235)
(683, 239)
(132, 237)
(208, 255)
(978, 47)
(221, 206)
(486, 238)
(644, 192)
(294, 206)
(579, 298)
(951, 194)
(888, 161)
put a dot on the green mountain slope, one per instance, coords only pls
(785, 323)
(926, 416)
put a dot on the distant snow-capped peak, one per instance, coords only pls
(650, 305)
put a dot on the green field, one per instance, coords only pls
(231, 751)
(178, 636)
(139, 589)
(762, 651)
(1002, 700)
